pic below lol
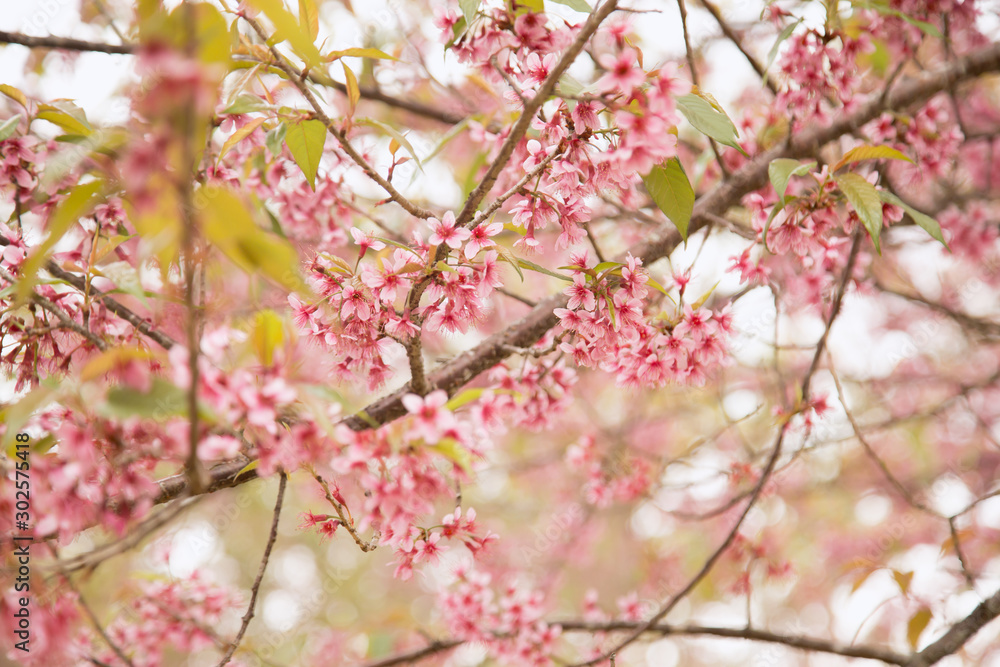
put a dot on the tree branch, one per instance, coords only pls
(792, 641)
(751, 176)
(255, 589)
(298, 79)
(64, 43)
(958, 634)
(530, 109)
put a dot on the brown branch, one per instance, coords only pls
(958, 634)
(416, 655)
(367, 92)
(255, 589)
(765, 475)
(124, 312)
(792, 641)
(751, 176)
(299, 79)
(542, 95)
(65, 320)
(91, 616)
(689, 54)
(730, 34)
(64, 43)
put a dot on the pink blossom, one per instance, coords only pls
(445, 231)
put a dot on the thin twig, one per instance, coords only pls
(298, 80)
(64, 43)
(91, 616)
(728, 31)
(65, 320)
(255, 589)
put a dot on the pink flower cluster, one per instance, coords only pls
(622, 478)
(358, 319)
(510, 625)
(821, 71)
(167, 615)
(611, 331)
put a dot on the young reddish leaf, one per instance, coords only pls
(108, 360)
(353, 92)
(916, 626)
(869, 153)
(359, 52)
(903, 580)
(14, 94)
(238, 136)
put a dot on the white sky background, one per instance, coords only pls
(94, 80)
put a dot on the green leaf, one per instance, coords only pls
(309, 18)
(305, 140)
(9, 127)
(867, 204)
(655, 284)
(15, 416)
(453, 451)
(78, 203)
(125, 277)
(541, 269)
(451, 134)
(467, 396)
(247, 468)
(916, 626)
(783, 169)
(526, 6)
(469, 9)
(924, 26)
(773, 53)
(163, 400)
(604, 266)
(869, 153)
(275, 138)
(14, 94)
(245, 103)
(66, 115)
(357, 52)
(267, 333)
(709, 120)
(770, 218)
(228, 224)
(671, 190)
(509, 257)
(288, 28)
(394, 133)
(926, 222)
(578, 5)
(399, 245)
